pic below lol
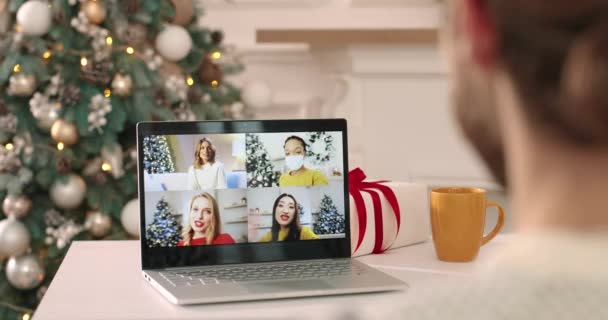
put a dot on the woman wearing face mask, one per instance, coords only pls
(286, 222)
(206, 173)
(298, 175)
(204, 225)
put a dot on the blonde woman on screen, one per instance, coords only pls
(204, 223)
(206, 172)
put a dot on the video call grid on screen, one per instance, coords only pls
(294, 180)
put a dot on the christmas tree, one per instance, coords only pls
(75, 78)
(157, 156)
(329, 221)
(164, 231)
(260, 171)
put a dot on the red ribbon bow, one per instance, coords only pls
(357, 184)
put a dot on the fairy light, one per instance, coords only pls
(84, 61)
(26, 316)
(17, 68)
(130, 50)
(109, 40)
(9, 146)
(214, 83)
(216, 55)
(107, 92)
(47, 54)
(106, 167)
(190, 81)
(60, 146)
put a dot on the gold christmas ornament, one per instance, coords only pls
(122, 84)
(64, 132)
(16, 206)
(99, 224)
(94, 10)
(22, 85)
(184, 11)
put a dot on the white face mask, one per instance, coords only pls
(294, 162)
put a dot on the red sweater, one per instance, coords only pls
(223, 238)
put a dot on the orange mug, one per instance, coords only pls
(458, 217)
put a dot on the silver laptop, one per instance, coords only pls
(248, 210)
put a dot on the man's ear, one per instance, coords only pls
(481, 31)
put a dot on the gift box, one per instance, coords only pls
(386, 215)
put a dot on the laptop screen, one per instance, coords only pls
(227, 195)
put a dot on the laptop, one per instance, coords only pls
(248, 210)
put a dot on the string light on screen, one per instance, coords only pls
(60, 146)
(130, 50)
(84, 61)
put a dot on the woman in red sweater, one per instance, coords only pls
(205, 224)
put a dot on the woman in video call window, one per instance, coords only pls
(206, 173)
(298, 175)
(204, 225)
(286, 222)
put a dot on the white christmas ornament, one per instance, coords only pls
(14, 238)
(173, 43)
(24, 272)
(129, 217)
(34, 17)
(257, 94)
(68, 193)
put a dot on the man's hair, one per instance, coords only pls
(557, 55)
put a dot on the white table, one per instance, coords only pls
(102, 280)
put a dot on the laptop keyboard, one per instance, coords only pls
(197, 276)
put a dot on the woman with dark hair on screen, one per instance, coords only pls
(298, 175)
(286, 222)
(204, 223)
(206, 172)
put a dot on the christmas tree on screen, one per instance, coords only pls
(164, 231)
(157, 155)
(75, 78)
(329, 221)
(260, 171)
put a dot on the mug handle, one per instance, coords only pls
(499, 224)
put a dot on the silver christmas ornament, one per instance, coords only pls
(24, 272)
(122, 85)
(16, 206)
(68, 193)
(99, 224)
(22, 85)
(14, 238)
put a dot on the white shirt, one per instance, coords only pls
(543, 277)
(208, 176)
